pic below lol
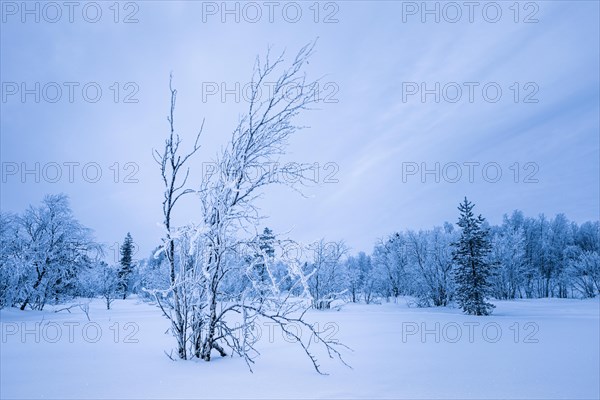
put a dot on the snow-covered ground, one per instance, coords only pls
(526, 349)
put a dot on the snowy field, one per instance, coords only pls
(527, 349)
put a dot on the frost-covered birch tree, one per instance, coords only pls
(205, 313)
(174, 301)
(326, 282)
(54, 249)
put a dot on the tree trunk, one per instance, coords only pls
(35, 286)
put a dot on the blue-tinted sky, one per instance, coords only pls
(372, 56)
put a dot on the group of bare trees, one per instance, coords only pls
(326, 269)
(43, 253)
(411, 263)
(548, 257)
(207, 312)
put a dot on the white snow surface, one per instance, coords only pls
(544, 349)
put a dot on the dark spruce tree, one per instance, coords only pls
(266, 251)
(473, 271)
(126, 265)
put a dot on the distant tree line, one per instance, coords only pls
(48, 257)
(529, 257)
(523, 257)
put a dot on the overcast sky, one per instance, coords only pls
(371, 137)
